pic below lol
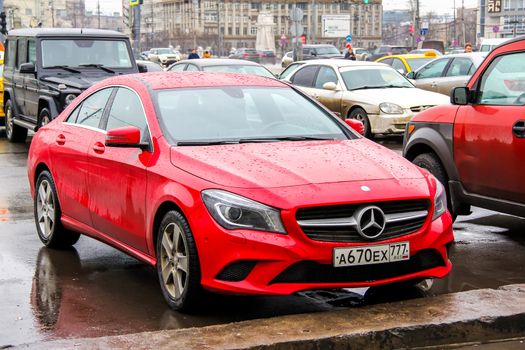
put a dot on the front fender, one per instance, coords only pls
(50, 102)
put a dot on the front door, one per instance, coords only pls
(31, 82)
(427, 78)
(489, 135)
(117, 177)
(19, 78)
(330, 98)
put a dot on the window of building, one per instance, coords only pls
(253, 30)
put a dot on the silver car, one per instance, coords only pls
(447, 72)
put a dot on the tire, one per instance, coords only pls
(361, 115)
(178, 268)
(47, 215)
(44, 117)
(430, 162)
(14, 133)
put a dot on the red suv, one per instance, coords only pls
(476, 145)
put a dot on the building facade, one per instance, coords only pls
(230, 24)
(501, 18)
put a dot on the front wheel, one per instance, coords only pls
(44, 117)
(361, 115)
(431, 162)
(47, 215)
(178, 267)
(14, 133)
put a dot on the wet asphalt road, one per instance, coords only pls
(94, 290)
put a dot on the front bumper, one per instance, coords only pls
(263, 263)
(389, 123)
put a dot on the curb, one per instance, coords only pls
(472, 316)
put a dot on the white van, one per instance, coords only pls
(488, 45)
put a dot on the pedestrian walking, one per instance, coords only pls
(193, 54)
(468, 47)
(349, 55)
(206, 54)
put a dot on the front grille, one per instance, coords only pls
(348, 233)
(313, 272)
(417, 109)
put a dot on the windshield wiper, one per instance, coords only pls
(207, 143)
(99, 66)
(64, 67)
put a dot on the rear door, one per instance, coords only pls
(489, 135)
(457, 74)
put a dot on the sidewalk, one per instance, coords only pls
(466, 317)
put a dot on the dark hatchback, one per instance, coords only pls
(47, 68)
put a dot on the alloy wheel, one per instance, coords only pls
(45, 120)
(9, 122)
(174, 260)
(45, 209)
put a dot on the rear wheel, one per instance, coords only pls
(430, 162)
(13, 132)
(47, 215)
(361, 115)
(178, 267)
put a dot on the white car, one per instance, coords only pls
(287, 59)
(164, 56)
(374, 93)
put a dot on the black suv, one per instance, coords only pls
(45, 69)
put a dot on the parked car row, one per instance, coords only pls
(264, 57)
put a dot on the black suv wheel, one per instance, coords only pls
(13, 132)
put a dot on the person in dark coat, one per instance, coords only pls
(193, 54)
(349, 55)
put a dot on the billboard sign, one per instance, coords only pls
(336, 26)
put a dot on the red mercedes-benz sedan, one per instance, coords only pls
(234, 184)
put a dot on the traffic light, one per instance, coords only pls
(3, 23)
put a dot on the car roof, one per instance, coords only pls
(407, 56)
(467, 54)
(342, 63)
(317, 45)
(38, 32)
(206, 62)
(174, 80)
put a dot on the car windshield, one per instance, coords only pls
(241, 69)
(373, 78)
(327, 50)
(242, 114)
(78, 52)
(415, 63)
(165, 51)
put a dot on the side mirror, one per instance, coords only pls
(125, 137)
(357, 125)
(459, 96)
(330, 86)
(27, 68)
(142, 68)
(411, 75)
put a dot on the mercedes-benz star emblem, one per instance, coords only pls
(371, 221)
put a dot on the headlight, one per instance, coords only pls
(440, 201)
(69, 98)
(235, 212)
(390, 108)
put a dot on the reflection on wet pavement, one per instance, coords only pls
(94, 290)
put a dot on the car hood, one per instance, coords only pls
(283, 164)
(404, 97)
(78, 81)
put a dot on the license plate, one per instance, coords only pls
(372, 254)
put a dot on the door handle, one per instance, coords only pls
(60, 140)
(99, 148)
(519, 129)
(316, 97)
(433, 84)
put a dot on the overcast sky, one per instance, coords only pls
(441, 6)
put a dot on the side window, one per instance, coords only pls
(398, 65)
(192, 68)
(22, 52)
(459, 66)
(433, 70)
(177, 68)
(503, 81)
(31, 51)
(127, 110)
(305, 76)
(325, 75)
(92, 108)
(72, 118)
(11, 53)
